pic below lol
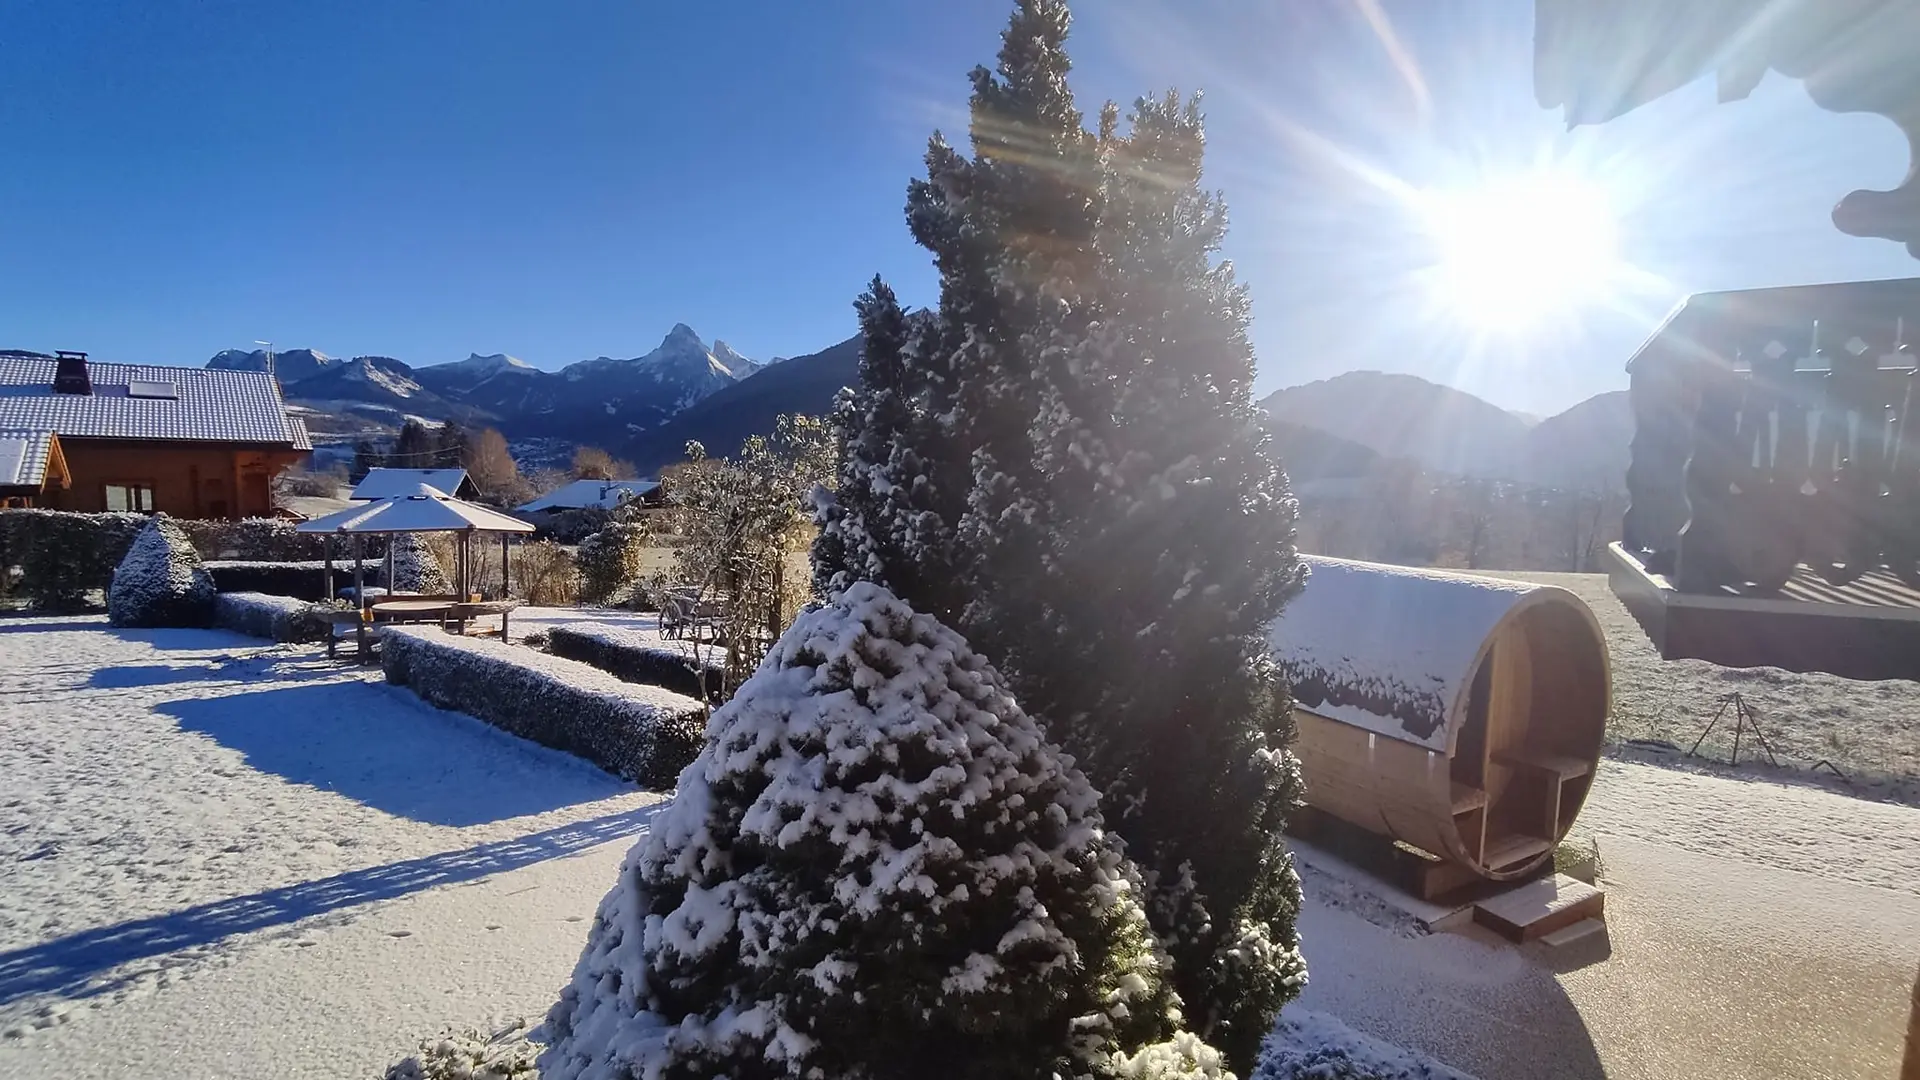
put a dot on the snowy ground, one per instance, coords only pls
(1867, 729)
(222, 859)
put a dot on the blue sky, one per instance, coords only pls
(567, 180)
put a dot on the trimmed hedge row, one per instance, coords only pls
(643, 733)
(254, 539)
(301, 580)
(279, 618)
(64, 555)
(635, 657)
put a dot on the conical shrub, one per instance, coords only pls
(160, 581)
(876, 868)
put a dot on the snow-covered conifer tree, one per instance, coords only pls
(1120, 536)
(160, 581)
(415, 567)
(877, 869)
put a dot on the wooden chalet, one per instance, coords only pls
(77, 434)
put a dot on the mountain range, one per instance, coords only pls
(645, 409)
(1450, 431)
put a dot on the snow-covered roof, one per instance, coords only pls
(425, 509)
(386, 483)
(1389, 648)
(604, 494)
(194, 404)
(25, 457)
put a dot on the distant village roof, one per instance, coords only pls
(603, 494)
(387, 483)
(142, 401)
(26, 457)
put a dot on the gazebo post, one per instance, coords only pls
(326, 561)
(390, 588)
(359, 574)
(506, 582)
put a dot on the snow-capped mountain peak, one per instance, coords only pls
(728, 358)
(489, 364)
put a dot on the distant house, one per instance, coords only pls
(390, 483)
(31, 464)
(598, 494)
(189, 442)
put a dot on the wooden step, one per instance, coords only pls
(1561, 765)
(1540, 907)
(1514, 850)
(1467, 798)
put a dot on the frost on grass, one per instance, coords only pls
(160, 581)
(875, 868)
(415, 569)
(1307, 1045)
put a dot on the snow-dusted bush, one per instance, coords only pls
(304, 580)
(643, 733)
(876, 868)
(1313, 1046)
(610, 560)
(543, 572)
(637, 657)
(160, 581)
(254, 539)
(416, 569)
(63, 556)
(280, 618)
(469, 1055)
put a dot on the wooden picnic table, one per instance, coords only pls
(413, 610)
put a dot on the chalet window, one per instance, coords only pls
(135, 497)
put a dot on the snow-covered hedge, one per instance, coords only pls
(63, 556)
(281, 618)
(470, 1055)
(303, 580)
(254, 539)
(643, 733)
(637, 657)
(416, 569)
(875, 868)
(160, 582)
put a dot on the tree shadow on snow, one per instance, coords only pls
(74, 966)
(134, 676)
(396, 756)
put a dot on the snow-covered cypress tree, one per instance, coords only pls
(160, 581)
(1082, 407)
(415, 567)
(876, 869)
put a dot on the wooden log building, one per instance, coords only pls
(77, 434)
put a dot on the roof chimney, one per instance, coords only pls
(70, 373)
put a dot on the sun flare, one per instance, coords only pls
(1513, 253)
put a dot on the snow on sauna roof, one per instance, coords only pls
(1390, 645)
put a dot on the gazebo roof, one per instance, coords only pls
(424, 509)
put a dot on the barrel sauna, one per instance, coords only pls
(1459, 714)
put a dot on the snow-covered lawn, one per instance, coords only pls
(219, 858)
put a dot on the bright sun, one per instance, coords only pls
(1516, 252)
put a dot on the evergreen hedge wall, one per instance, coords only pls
(638, 658)
(63, 555)
(643, 733)
(302, 580)
(277, 618)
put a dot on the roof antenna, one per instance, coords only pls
(270, 372)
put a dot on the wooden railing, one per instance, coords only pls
(1755, 458)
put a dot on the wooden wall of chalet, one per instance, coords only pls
(189, 480)
(1777, 428)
